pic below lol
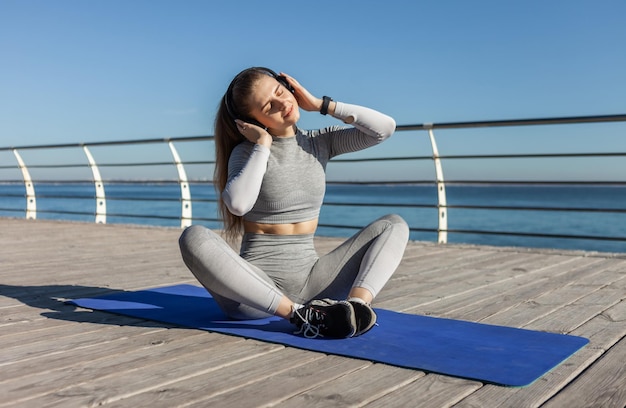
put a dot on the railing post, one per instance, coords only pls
(31, 200)
(101, 204)
(185, 193)
(442, 229)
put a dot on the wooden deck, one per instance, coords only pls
(53, 354)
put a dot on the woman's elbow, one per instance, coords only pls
(236, 207)
(387, 128)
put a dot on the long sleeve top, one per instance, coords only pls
(286, 183)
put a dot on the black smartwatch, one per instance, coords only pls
(325, 102)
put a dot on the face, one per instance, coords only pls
(274, 106)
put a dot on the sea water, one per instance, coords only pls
(159, 204)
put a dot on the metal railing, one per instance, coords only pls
(186, 201)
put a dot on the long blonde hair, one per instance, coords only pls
(227, 137)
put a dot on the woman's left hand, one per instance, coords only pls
(305, 99)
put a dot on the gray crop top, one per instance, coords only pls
(286, 183)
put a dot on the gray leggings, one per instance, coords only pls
(251, 284)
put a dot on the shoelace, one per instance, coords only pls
(309, 330)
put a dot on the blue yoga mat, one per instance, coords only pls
(487, 353)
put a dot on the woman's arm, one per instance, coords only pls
(243, 187)
(371, 122)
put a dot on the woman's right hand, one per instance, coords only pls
(306, 100)
(254, 133)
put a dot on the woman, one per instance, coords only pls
(270, 176)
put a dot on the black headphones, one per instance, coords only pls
(228, 96)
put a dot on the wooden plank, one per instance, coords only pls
(274, 388)
(602, 385)
(598, 331)
(545, 388)
(484, 277)
(124, 380)
(605, 329)
(228, 378)
(561, 310)
(132, 339)
(58, 328)
(510, 286)
(41, 346)
(430, 391)
(535, 394)
(482, 310)
(43, 296)
(566, 318)
(500, 294)
(62, 355)
(425, 287)
(356, 388)
(48, 374)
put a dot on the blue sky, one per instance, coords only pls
(84, 71)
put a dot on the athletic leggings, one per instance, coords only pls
(251, 284)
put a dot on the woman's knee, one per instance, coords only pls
(190, 234)
(398, 225)
(193, 237)
(395, 221)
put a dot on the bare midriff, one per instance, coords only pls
(298, 228)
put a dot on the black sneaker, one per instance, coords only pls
(365, 317)
(325, 318)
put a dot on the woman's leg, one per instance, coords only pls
(242, 290)
(362, 265)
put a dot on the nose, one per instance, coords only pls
(282, 103)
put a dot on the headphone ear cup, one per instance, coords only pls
(283, 81)
(254, 122)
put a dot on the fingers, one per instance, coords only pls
(254, 133)
(292, 81)
(245, 126)
(241, 125)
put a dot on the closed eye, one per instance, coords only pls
(268, 106)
